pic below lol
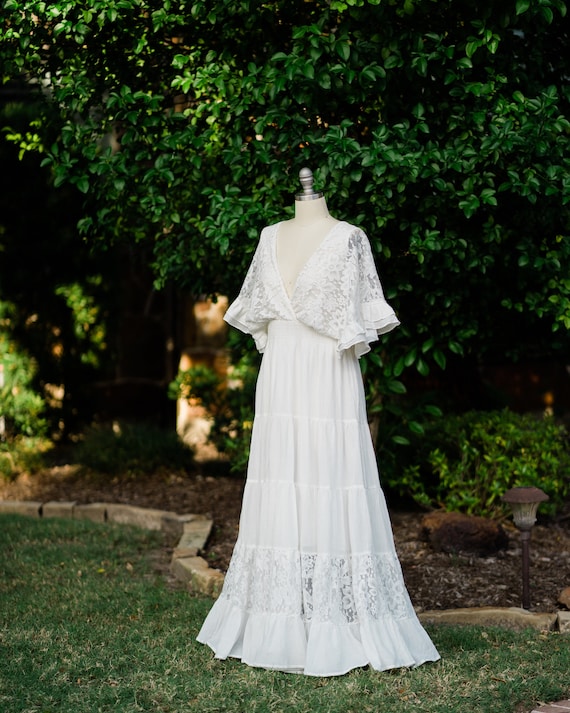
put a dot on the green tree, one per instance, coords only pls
(441, 127)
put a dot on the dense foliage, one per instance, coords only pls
(439, 127)
(467, 462)
(228, 400)
(21, 408)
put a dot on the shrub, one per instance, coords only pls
(20, 402)
(229, 400)
(467, 462)
(22, 454)
(135, 448)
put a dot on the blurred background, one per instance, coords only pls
(144, 145)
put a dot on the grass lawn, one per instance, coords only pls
(87, 626)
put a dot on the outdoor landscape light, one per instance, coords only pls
(524, 502)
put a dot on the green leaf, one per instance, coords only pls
(422, 367)
(471, 47)
(421, 66)
(399, 367)
(342, 48)
(439, 358)
(418, 110)
(465, 63)
(410, 357)
(309, 70)
(392, 61)
(180, 60)
(416, 427)
(324, 80)
(427, 345)
(432, 410)
(83, 184)
(395, 387)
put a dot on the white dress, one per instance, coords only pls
(314, 585)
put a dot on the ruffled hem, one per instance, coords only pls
(237, 316)
(321, 648)
(377, 318)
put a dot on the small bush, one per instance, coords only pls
(467, 462)
(22, 454)
(21, 405)
(228, 400)
(136, 448)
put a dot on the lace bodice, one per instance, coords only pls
(337, 293)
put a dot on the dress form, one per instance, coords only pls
(314, 585)
(299, 237)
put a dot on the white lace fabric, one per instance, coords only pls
(337, 293)
(342, 589)
(314, 585)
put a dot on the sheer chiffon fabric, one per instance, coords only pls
(314, 585)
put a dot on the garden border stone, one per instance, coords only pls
(564, 622)
(95, 512)
(188, 534)
(558, 707)
(508, 617)
(58, 508)
(147, 518)
(31, 508)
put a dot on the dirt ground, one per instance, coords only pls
(435, 580)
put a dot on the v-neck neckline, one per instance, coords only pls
(307, 262)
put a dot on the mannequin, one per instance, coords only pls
(299, 237)
(314, 585)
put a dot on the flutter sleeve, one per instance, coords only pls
(260, 299)
(241, 313)
(368, 314)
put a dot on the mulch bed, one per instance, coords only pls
(435, 580)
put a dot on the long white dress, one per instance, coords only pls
(314, 585)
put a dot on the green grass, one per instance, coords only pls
(88, 626)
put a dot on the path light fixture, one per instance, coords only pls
(524, 502)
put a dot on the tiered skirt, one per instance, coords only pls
(314, 585)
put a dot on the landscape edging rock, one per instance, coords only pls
(189, 534)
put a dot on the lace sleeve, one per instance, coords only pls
(376, 311)
(240, 313)
(261, 298)
(368, 313)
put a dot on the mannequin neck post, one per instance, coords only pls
(308, 211)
